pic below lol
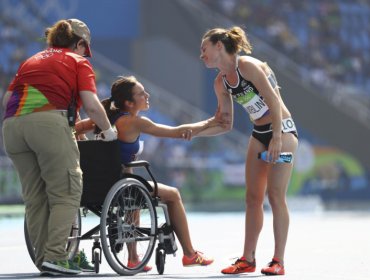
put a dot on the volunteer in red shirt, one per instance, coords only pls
(40, 108)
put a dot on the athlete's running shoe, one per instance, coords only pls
(240, 266)
(133, 265)
(275, 267)
(197, 259)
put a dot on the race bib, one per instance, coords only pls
(288, 125)
(253, 104)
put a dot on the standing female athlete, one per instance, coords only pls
(251, 83)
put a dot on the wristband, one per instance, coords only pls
(109, 134)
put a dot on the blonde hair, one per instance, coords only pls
(234, 39)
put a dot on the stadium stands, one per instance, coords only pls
(329, 39)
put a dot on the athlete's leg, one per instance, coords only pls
(133, 217)
(277, 184)
(256, 171)
(171, 196)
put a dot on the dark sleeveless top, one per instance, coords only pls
(246, 94)
(128, 151)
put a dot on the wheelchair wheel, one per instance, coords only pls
(128, 226)
(160, 260)
(96, 261)
(72, 244)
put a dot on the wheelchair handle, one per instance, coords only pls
(138, 163)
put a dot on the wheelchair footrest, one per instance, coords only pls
(166, 238)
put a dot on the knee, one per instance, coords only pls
(254, 200)
(174, 195)
(276, 199)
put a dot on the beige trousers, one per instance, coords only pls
(44, 151)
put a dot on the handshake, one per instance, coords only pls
(108, 135)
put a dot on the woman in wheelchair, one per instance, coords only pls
(128, 98)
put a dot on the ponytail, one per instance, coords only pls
(110, 110)
(240, 39)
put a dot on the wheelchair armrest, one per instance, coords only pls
(138, 163)
(145, 164)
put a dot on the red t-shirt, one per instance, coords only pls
(48, 80)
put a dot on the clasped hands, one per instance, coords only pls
(219, 120)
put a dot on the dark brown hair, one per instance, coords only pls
(121, 91)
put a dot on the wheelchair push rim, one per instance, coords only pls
(128, 226)
(73, 240)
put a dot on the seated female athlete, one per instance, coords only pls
(128, 98)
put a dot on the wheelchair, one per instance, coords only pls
(127, 206)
